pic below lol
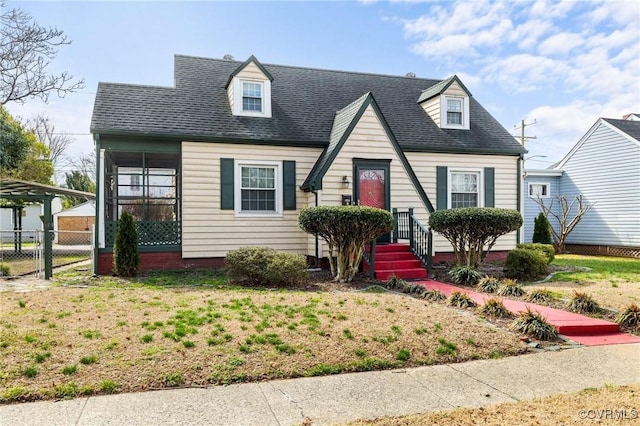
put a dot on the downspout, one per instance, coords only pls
(98, 200)
(519, 235)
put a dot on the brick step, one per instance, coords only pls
(393, 247)
(405, 274)
(585, 329)
(411, 263)
(390, 256)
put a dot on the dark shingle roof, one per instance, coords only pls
(304, 105)
(630, 127)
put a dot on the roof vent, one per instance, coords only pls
(228, 57)
(410, 75)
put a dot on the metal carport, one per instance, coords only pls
(14, 190)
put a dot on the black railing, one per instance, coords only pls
(407, 227)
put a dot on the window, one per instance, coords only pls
(454, 111)
(252, 96)
(539, 190)
(259, 189)
(465, 189)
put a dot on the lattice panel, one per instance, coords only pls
(150, 234)
(603, 250)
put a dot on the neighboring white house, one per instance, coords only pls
(31, 222)
(75, 225)
(604, 167)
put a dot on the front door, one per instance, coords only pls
(372, 186)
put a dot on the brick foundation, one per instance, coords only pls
(499, 256)
(160, 260)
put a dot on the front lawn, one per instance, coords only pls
(163, 331)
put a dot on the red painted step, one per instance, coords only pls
(396, 260)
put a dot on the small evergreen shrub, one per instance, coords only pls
(510, 288)
(126, 254)
(464, 275)
(5, 270)
(461, 300)
(546, 249)
(541, 296)
(263, 266)
(434, 295)
(533, 324)
(583, 303)
(630, 317)
(488, 284)
(495, 308)
(525, 264)
(541, 230)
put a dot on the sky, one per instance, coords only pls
(557, 65)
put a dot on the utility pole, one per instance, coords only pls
(523, 125)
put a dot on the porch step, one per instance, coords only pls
(396, 260)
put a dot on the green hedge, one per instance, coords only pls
(546, 249)
(526, 265)
(264, 266)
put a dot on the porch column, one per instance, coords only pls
(47, 222)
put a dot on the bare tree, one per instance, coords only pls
(57, 142)
(26, 50)
(566, 220)
(85, 164)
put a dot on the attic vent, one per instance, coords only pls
(410, 75)
(228, 57)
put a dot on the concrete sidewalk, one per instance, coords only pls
(346, 397)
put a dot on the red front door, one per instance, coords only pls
(371, 187)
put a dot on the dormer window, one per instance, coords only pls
(455, 112)
(251, 96)
(447, 103)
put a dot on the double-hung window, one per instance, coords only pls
(260, 188)
(465, 189)
(454, 111)
(252, 96)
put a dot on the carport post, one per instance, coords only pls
(47, 222)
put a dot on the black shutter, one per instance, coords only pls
(441, 187)
(226, 184)
(489, 187)
(289, 185)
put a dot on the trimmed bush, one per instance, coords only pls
(525, 264)
(471, 229)
(583, 303)
(463, 275)
(346, 229)
(126, 254)
(541, 230)
(488, 284)
(510, 288)
(5, 270)
(546, 249)
(533, 324)
(263, 266)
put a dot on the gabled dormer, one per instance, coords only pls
(249, 89)
(447, 103)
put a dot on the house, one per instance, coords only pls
(73, 226)
(24, 219)
(604, 167)
(230, 154)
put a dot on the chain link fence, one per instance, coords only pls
(22, 252)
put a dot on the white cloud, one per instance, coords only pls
(560, 44)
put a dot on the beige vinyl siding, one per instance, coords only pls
(368, 140)
(230, 94)
(455, 90)
(251, 72)
(432, 108)
(208, 231)
(506, 183)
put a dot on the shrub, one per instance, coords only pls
(5, 270)
(434, 295)
(541, 296)
(541, 230)
(583, 303)
(533, 324)
(461, 300)
(395, 283)
(346, 229)
(495, 308)
(488, 284)
(470, 230)
(464, 275)
(630, 317)
(263, 266)
(126, 254)
(546, 249)
(525, 264)
(510, 288)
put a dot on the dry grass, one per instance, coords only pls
(65, 342)
(586, 407)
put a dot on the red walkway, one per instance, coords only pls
(580, 328)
